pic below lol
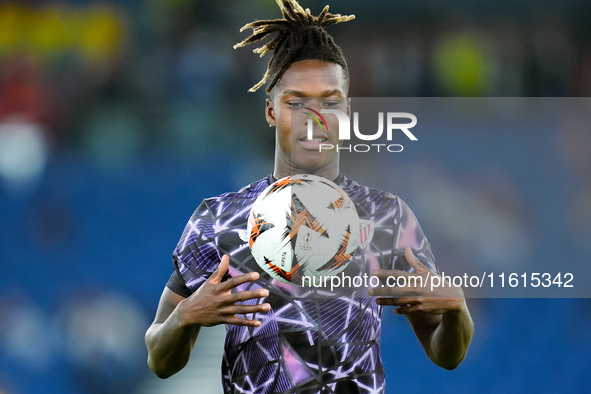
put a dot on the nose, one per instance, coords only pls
(313, 120)
(314, 104)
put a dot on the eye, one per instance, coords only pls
(295, 104)
(331, 103)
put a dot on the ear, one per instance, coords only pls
(349, 107)
(270, 112)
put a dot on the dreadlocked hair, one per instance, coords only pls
(300, 36)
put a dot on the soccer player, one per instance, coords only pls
(275, 341)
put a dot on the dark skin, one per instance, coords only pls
(314, 84)
(178, 320)
(439, 318)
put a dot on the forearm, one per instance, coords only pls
(169, 345)
(451, 338)
(178, 320)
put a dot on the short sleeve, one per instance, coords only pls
(176, 283)
(408, 232)
(196, 255)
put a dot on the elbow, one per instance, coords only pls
(162, 375)
(156, 366)
(449, 365)
(158, 370)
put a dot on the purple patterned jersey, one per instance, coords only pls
(308, 342)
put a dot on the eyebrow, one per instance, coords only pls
(325, 93)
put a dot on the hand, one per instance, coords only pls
(214, 303)
(416, 298)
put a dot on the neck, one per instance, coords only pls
(326, 166)
(328, 173)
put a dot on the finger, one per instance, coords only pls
(219, 273)
(397, 301)
(237, 321)
(413, 261)
(246, 309)
(238, 280)
(239, 296)
(381, 291)
(403, 310)
(385, 273)
(396, 292)
(386, 301)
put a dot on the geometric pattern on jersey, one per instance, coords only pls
(306, 343)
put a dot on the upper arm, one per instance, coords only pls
(408, 232)
(196, 256)
(168, 302)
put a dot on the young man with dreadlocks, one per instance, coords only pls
(276, 342)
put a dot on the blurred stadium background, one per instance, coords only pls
(117, 118)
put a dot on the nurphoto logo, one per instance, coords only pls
(392, 125)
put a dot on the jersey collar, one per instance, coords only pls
(338, 180)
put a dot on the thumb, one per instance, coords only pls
(219, 273)
(413, 261)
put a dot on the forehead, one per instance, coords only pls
(313, 77)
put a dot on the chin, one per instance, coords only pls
(314, 166)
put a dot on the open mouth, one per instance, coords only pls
(315, 139)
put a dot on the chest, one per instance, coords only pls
(376, 234)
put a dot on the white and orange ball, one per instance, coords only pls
(303, 225)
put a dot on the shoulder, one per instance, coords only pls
(211, 224)
(247, 192)
(213, 206)
(377, 204)
(367, 195)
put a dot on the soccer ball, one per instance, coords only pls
(303, 225)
